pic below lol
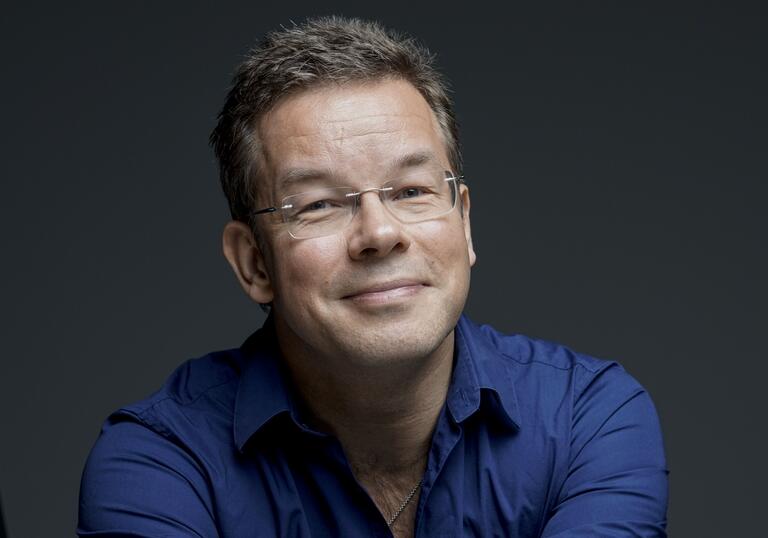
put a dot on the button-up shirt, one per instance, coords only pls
(533, 440)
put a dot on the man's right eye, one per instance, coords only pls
(318, 205)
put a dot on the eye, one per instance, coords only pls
(317, 205)
(320, 207)
(410, 192)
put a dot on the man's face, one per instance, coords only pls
(378, 290)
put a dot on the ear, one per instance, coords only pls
(247, 261)
(464, 193)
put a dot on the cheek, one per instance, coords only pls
(443, 242)
(307, 266)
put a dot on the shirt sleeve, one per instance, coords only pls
(138, 483)
(616, 484)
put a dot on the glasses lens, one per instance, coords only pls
(421, 196)
(415, 197)
(318, 212)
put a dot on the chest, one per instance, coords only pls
(475, 484)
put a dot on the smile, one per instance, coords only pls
(386, 292)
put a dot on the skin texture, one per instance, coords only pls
(364, 317)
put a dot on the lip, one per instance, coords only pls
(386, 291)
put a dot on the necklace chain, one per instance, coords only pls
(403, 505)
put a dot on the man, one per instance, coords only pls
(367, 405)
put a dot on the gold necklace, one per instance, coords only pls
(403, 505)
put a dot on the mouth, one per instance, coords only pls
(386, 292)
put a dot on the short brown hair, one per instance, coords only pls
(319, 51)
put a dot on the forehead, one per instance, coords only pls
(348, 133)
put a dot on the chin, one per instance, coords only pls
(405, 340)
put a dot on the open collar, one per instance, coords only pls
(264, 391)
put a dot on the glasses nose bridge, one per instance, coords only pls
(380, 190)
(358, 198)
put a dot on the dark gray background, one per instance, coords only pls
(616, 156)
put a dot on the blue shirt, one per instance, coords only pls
(533, 440)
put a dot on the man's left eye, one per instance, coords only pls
(410, 192)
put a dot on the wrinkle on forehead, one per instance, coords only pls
(328, 128)
(355, 126)
(363, 103)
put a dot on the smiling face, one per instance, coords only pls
(378, 290)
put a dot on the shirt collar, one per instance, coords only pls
(263, 392)
(480, 379)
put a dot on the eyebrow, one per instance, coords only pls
(412, 160)
(302, 175)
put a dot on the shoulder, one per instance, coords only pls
(531, 352)
(195, 378)
(202, 386)
(160, 453)
(609, 468)
(587, 399)
(545, 369)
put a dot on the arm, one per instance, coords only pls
(137, 483)
(617, 480)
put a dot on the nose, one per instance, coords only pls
(375, 232)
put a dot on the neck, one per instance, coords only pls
(382, 414)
